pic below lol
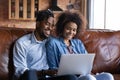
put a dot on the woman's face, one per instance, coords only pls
(70, 30)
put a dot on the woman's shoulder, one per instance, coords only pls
(53, 39)
(76, 40)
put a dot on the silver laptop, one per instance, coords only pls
(76, 64)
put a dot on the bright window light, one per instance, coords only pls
(106, 14)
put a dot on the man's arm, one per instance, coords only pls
(19, 59)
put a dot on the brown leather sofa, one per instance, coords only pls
(104, 43)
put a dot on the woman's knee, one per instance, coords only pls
(105, 76)
(87, 77)
(108, 75)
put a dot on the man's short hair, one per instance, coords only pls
(44, 15)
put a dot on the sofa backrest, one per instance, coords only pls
(7, 38)
(105, 44)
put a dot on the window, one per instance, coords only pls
(104, 14)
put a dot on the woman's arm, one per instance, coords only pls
(52, 57)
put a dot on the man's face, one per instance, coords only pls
(44, 27)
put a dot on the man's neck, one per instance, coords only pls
(38, 37)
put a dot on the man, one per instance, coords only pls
(29, 52)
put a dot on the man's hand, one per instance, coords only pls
(50, 72)
(47, 72)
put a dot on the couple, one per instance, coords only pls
(37, 54)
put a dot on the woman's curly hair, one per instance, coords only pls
(67, 17)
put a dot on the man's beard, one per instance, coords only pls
(43, 36)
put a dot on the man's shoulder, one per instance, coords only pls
(24, 38)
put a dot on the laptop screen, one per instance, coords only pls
(76, 64)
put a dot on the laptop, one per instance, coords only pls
(79, 64)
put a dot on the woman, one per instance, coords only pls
(68, 27)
